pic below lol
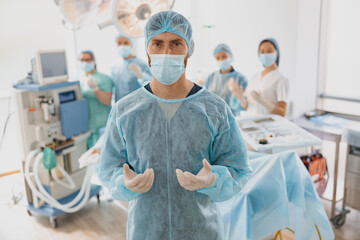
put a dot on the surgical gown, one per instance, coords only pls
(218, 84)
(149, 132)
(126, 81)
(98, 112)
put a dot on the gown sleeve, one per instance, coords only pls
(229, 161)
(112, 157)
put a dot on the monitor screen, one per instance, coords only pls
(53, 64)
(67, 97)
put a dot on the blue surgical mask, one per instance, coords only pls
(124, 51)
(167, 68)
(87, 66)
(224, 64)
(267, 59)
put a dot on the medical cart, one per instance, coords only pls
(351, 196)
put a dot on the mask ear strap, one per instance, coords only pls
(186, 58)
(149, 59)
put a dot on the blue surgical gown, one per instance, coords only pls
(125, 81)
(149, 132)
(218, 84)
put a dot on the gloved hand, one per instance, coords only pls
(92, 83)
(236, 89)
(205, 178)
(136, 70)
(90, 157)
(139, 183)
(259, 97)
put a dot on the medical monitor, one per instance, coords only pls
(51, 66)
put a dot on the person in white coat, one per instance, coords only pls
(267, 92)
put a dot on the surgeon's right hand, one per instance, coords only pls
(139, 183)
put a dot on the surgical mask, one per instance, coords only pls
(224, 64)
(87, 66)
(124, 51)
(267, 59)
(167, 68)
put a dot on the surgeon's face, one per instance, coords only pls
(86, 57)
(267, 47)
(168, 43)
(221, 56)
(121, 41)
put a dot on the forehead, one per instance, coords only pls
(85, 56)
(123, 39)
(166, 36)
(267, 45)
(222, 54)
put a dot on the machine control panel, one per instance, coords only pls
(47, 132)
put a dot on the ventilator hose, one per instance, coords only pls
(45, 196)
(71, 184)
(53, 201)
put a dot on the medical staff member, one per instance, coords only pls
(96, 88)
(172, 148)
(132, 73)
(267, 92)
(217, 82)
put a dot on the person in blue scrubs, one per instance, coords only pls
(218, 82)
(172, 148)
(132, 73)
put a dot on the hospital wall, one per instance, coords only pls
(26, 26)
(307, 56)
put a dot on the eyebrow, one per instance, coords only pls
(173, 40)
(156, 40)
(177, 39)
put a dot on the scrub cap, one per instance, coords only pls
(88, 52)
(124, 36)
(223, 48)
(172, 22)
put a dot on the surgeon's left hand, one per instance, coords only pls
(205, 178)
(135, 69)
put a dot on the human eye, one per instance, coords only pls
(156, 44)
(177, 44)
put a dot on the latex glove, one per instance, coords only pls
(135, 69)
(90, 157)
(236, 89)
(205, 178)
(201, 82)
(259, 97)
(139, 183)
(92, 83)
